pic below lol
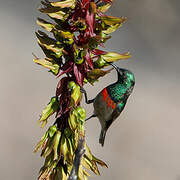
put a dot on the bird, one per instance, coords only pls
(110, 102)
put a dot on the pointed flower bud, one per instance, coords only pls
(113, 56)
(75, 93)
(55, 144)
(51, 131)
(95, 74)
(64, 4)
(50, 109)
(48, 63)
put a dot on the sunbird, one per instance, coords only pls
(110, 102)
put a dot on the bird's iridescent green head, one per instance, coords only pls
(124, 75)
(128, 75)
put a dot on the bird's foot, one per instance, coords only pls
(90, 117)
(82, 90)
(85, 94)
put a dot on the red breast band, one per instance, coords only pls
(107, 99)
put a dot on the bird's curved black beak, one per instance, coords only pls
(119, 70)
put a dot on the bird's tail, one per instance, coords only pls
(102, 136)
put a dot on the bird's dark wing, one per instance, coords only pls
(117, 111)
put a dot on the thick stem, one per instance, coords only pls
(77, 160)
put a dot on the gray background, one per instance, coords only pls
(144, 143)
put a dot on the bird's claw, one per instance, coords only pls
(82, 90)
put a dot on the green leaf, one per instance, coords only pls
(70, 146)
(49, 134)
(80, 24)
(111, 20)
(92, 165)
(64, 4)
(113, 56)
(76, 95)
(67, 132)
(48, 63)
(100, 162)
(111, 24)
(111, 29)
(60, 174)
(54, 12)
(48, 8)
(88, 152)
(55, 144)
(81, 175)
(50, 109)
(103, 6)
(43, 38)
(59, 15)
(86, 173)
(109, 57)
(47, 162)
(43, 169)
(64, 36)
(81, 113)
(79, 55)
(46, 25)
(94, 41)
(100, 63)
(87, 164)
(75, 92)
(41, 142)
(71, 85)
(46, 172)
(76, 118)
(60, 35)
(49, 45)
(105, 37)
(95, 74)
(72, 120)
(48, 148)
(51, 131)
(70, 152)
(56, 51)
(64, 147)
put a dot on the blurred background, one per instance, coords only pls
(144, 142)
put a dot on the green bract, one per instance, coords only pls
(64, 36)
(95, 74)
(76, 117)
(55, 144)
(112, 56)
(52, 130)
(75, 93)
(64, 4)
(110, 20)
(50, 109)
(103, 7)
(48, 63)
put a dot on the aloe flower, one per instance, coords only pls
(77, 31)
